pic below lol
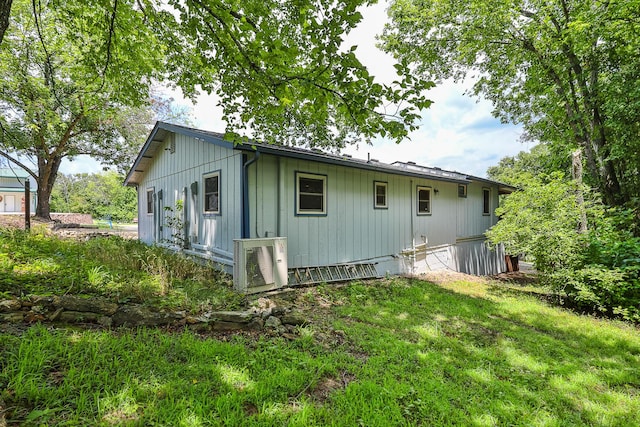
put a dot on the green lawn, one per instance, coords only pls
(383, 353)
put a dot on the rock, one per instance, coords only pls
(15, 317)
(232, 316)
(278, 311)
(227, 326)
(256, 324)
(56, 314)
(273, 323)
(295, 319)
(266, 313)
(40, 300)
(138, 315)
(93, 305)
(105, 321)
(9, 305)
(78, 317)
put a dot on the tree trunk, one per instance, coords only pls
(576, 171)
(47, 174)
(5, 12)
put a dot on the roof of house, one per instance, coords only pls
(14, 172)
(161, 130)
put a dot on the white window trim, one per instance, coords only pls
(464, 193)
(204, 193)
(423, 187)
(311, 212)
(151, 190)
(385, 185)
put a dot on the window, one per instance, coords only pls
(424, 200)
(212, 193)
(311, 197)
(380, 195)
(486, 201)
(462, 190)
(149, 201)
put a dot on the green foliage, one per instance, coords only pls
(283, 73)
(102, 195)
(400, 352)
(74, 76)
(36, 263)
(565, 69)
(525, 166)
(174, 221)
(597, 270)
(74, 79)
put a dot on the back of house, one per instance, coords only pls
(199, 192)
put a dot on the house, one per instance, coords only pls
(12, 182)
(333, 210)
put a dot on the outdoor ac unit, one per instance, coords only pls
(259, 264)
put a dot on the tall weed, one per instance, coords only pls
(39, 263)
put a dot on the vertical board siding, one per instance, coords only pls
(352, 229)
(171, 172)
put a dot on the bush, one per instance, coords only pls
(599, 271)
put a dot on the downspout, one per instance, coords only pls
(246, 225)
(413, 240)
(280, 196)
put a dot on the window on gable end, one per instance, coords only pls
(486, 201)
(150, 200)
(211, 193)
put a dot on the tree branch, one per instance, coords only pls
(19, 163)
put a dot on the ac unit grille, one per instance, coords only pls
(260, 264)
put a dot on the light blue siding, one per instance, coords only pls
(352, 230)
(171, 172)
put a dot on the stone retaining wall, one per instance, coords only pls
(72, 218)
(73, 309)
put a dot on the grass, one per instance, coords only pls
(391, 352)
(112, 267)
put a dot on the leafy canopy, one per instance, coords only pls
(283, 74)
(75, 75)
(565, 69)
(101, 195)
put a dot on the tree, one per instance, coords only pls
(565, 69)
(520, 169)
(62, 95)
(73, 73)
(283, 74)
(101, 195)
(5, 11)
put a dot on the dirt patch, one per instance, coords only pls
(526, 276)
(328, 385)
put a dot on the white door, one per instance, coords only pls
(9, 203)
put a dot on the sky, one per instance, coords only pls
(456, 133)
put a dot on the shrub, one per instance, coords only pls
(599, 271)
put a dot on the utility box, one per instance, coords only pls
(259, 264)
